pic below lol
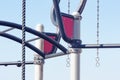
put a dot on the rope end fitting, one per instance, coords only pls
(38, 60)
(75, 46)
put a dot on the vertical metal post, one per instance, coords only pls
(38, 60)
(75, 52)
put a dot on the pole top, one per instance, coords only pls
(76, 15)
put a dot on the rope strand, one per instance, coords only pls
(23, 37)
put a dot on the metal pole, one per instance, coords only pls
(75, 52)
(38, 60)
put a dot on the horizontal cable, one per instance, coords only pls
(99, 46)
(17, 63)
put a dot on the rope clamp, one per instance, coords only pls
(38, 60)
(75, 50)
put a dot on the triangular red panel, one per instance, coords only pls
(48, 47)
(68, 23)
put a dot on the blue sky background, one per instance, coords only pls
(55, 69)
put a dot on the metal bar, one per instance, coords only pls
(17, 63)
(75, 52)
(54, 55)
(48, 34)
(9, 29)
(81, 6)
(99, 46)
(33, 39)
(39, 60)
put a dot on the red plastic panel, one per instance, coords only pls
(68, 26)
(48, 47)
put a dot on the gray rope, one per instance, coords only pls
(23, 37)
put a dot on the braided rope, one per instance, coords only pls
(23, 37)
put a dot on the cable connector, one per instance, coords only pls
(76, 43)
(38, 60)
(75, 50)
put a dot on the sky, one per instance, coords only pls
(38, 12)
